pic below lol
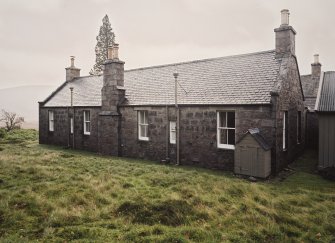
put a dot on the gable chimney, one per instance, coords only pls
(285, 35)
(316, 66)
(113, 80)
(72, 72)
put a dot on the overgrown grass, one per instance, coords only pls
(51, 194)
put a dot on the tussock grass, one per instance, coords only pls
(55, 195)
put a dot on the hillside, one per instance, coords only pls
(23, 100)
(51, 194)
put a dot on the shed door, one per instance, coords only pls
(248, 160)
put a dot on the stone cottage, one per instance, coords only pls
(133, 113)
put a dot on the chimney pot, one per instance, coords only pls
(72, 60)
(285, 14)
(113, 51)
(316, 58)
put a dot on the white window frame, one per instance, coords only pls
(51, 121)
(71, 125)
(284, 131)
(219, 144)
(299, 127)
(87, 122)
(145, 124)
(173, 132)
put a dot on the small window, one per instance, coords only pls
(51, 121)
(285, 130)
(299, 127)
(143, 125)
(172, 132)
(87, 123)
(71, 125)
(226, 130)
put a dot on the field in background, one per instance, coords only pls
(52, 194)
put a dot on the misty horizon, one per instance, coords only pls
(151, 33)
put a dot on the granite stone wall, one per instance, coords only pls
(290, 99)
(61, 134)
(198, 131)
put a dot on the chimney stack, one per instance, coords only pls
(113, 80)
(316, 67)
(285, 36)
(72, 72)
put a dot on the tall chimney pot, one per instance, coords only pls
(316, 58)
(72, 60)
(285, 14)
(113, 52)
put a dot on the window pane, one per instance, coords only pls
(88, 128)
(231, 136)
(222, 122)
(173, 137)
(145, 119)
(223, 136)
(146, 131)
(140, 117)
(231, 119)
(142, 130)
(172, 132)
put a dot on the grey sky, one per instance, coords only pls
(38, 36)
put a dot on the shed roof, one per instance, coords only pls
(255, 133)
(240, 79)
(326, 96)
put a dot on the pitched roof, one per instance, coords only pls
(255, 133)
(240, 79)
(310, 85)
(326, 96)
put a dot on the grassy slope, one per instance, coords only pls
(51, 194)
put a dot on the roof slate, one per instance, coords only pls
(310, 85)
(240, 79)
(327, 93)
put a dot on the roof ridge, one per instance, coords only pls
(199, 60)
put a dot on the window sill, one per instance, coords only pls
(87, 133)
(143, 138)
(226, 146)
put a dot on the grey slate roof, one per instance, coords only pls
(327, 93)
(240, 79)
(310, 87)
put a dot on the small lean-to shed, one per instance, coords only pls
(253, 155)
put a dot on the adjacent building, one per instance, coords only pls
(133, 113)
(325, 108)
(310, 85)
